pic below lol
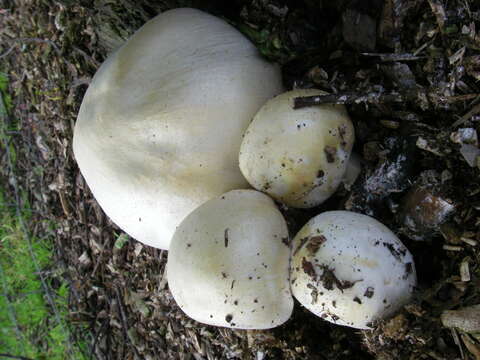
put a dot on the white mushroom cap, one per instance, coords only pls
(350, 269)
(299, 156)
(228, 263)
(160, 127)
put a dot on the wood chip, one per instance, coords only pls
(468, 241)
(452, 248)
(439, 12)
(465, 270)
(471, 346)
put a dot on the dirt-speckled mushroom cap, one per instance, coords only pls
(228, 263)
(350, 269)
(298, 157)
(160, 127)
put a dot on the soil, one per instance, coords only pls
(408, 72)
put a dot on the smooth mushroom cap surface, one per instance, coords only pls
(298, 157)
(350, 269)
(228, 263)
(160, 126)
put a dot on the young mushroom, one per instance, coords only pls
(350, 269)
(228, 263)
(298, 157)
(159, 129)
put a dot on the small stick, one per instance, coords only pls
(394, 57)
(123, 318)
(466, 97)
(6, 53)
(349, 98)
(346, 98)
(457, 341)
(15, 357)
(97, 336)
(31, 40)
(475, 110)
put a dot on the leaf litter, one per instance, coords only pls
(408, 71)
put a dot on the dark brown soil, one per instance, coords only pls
(409, 73)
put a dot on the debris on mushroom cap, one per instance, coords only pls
(350, 269)
(146, 138)
(297, 156)
(228, 263)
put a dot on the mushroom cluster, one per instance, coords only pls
(159, 141)
(228, 265)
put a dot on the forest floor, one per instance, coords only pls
(408, 71)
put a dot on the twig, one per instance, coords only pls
(33, 40)
(97, 337)
(108, 349)
(346, 98)
(465, 97)
(471, 346)
(87, 57)
(422, 47)
(475, 110)
(6, 53)
(14, 357)
(377, 98)
(123, 317)
(395, 57)
(457, 342)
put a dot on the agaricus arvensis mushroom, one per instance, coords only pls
(228, 263)
(350, 269)
(160, 126)
(298, 157)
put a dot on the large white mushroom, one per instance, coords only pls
(350, 269)
(299, 157)
(228, 263)
(159, 129)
